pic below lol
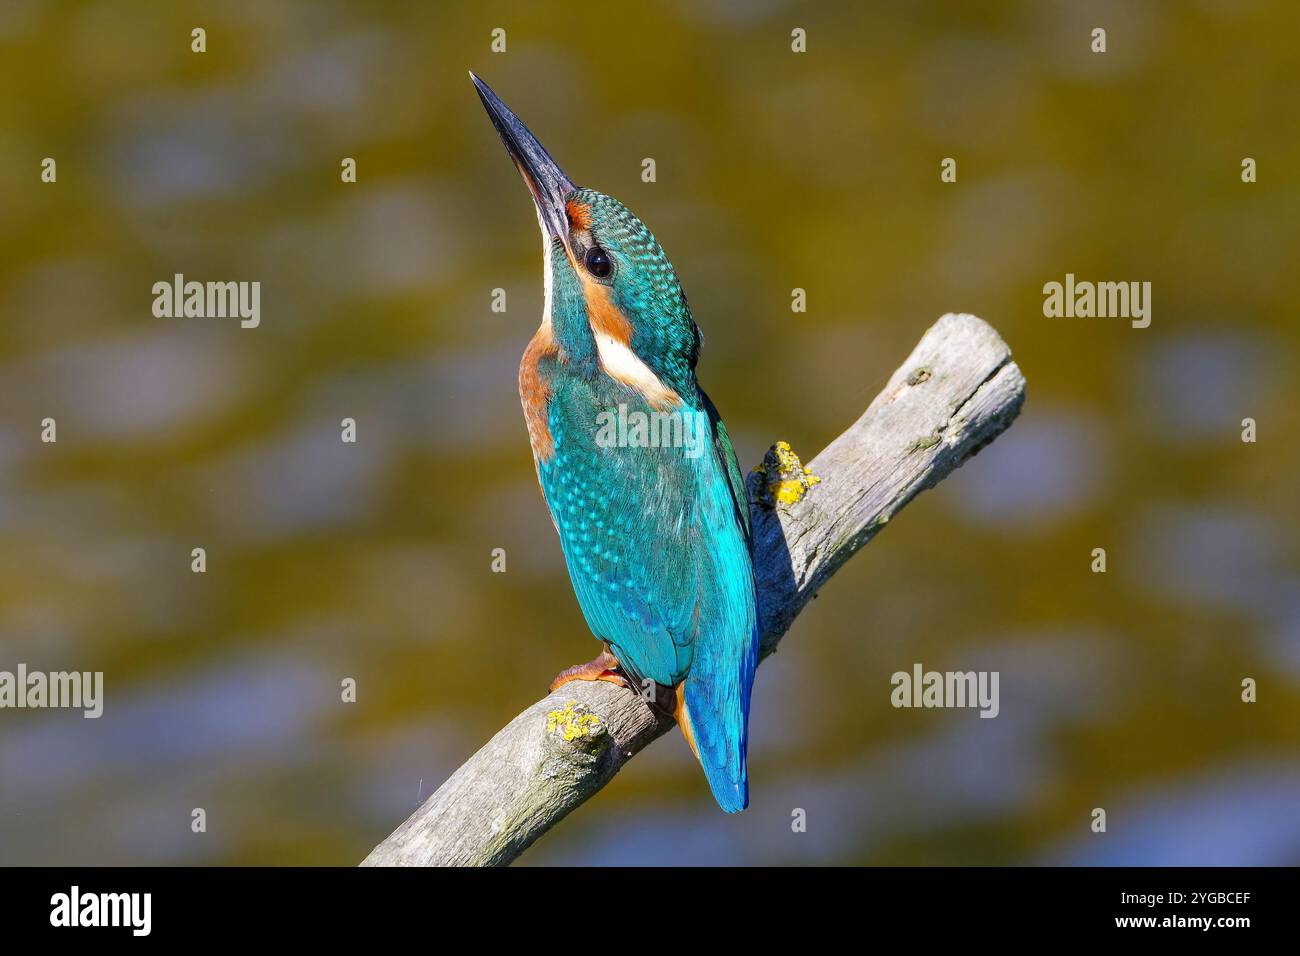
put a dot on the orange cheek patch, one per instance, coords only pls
(579, 214)
(604, 316)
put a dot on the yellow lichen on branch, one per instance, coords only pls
(574, 721)
(782, 478)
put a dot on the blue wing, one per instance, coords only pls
(717, 691)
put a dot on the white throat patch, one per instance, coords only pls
(623, 365)
(548, 271)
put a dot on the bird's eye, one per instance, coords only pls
(598, 263)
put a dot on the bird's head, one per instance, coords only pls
(612, 296)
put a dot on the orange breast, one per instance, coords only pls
(535, 393)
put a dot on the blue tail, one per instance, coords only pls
(720, 737)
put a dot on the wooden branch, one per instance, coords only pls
(955, 393)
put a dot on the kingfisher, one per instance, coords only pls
(656, 533)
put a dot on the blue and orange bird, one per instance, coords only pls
(656, 534)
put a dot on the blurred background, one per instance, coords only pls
(775, 170)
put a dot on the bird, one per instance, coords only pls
(656, 535)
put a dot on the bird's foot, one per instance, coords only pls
(604, 666)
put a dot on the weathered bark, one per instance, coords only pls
(955, 393)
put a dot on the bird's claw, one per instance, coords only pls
(604, 666)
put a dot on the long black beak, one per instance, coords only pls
(545, 179)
